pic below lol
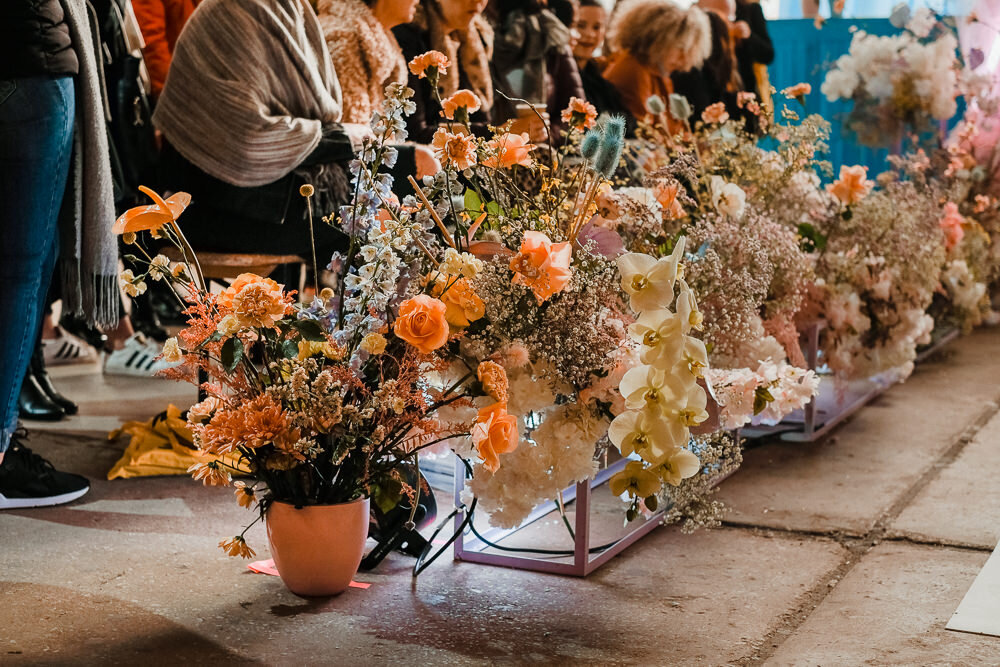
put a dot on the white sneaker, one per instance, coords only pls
(67, 349)
(137, 358)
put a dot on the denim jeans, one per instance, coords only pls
(36, 138)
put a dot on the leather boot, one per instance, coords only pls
(37, 368)
(33, 403)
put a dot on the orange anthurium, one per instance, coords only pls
(152, 216)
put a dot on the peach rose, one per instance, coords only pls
(463, 304)
(852, 186)
(951, 225)
(422, 323)
(541, 265)
(462, 99)
(430, 63)
(715, 113)
(507, 150)
(493, 434)
(456, 150)
(494, 380)
(580, 114)
(242, 280)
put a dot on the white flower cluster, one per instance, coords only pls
(765, 395)
(662, 395)
(965, 292)
(899, 67)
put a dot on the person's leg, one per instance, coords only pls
(36, 131)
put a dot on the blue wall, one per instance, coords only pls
(804, 53)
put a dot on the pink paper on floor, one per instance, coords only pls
(267, 567)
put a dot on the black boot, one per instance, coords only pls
(34, 403)
(37, 368)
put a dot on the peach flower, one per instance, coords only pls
(951, 225)
(431, 62)
(580, 114)
(715, 113)
(462, 99)
(748, 101)
(455, 150)
(852, 186)
(242, 280)
(798, 90)
(422, 323)
(463, 304)
(494, 433)
(541, 265)
(494, 380)
(507, 150)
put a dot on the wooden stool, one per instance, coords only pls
(226, 266)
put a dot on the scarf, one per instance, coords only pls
(249, 89)
(88, 250)
(472, 49)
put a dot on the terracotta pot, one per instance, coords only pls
(317, 549)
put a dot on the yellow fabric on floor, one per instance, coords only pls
(160, 446)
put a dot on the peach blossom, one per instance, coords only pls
(852, 186)
(541, 265)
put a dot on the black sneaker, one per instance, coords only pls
(28, 480)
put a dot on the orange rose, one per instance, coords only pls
(242, 280)
(494, 433)
(542, 265)
(715, 113)
(422, 323)
(852, 186)
(580, 114)
(462, 99)
(507, 150)
(493, 377)
(456, 150)
(463, 304)
(431, 63)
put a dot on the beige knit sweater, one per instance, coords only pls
(364, 53)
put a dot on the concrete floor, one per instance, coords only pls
(854, 550)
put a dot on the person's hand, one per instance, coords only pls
(741, 30)
(427, 162)
(357, 133)
(533, 125)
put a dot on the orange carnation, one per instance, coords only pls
(542, 265)
(852, 186)
(422, 323)
(493, 377)
(715, 113)
(456, 150)
(462, 99)
(463, 304)
(493, 434)
(507, 150)
(242, 280)
(430, 63)
(580, 114)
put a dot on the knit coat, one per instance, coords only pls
(365, 55)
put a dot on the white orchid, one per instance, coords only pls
(647, 434)
(648, 281)
(679, 466)
(661, 334)
(662, 391)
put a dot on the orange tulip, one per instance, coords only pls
(152, 216)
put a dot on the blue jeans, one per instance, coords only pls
(36, 138)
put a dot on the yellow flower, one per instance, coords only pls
(681, 465)
(172, 352)
(244, 494)
(373, 343)
(635, 479)
(228, 325)
(311, 348)
(211, 473)
(647, 434)
(237, 547)
(463, 304)
(159, 267)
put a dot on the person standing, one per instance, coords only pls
(161, 22)
(53, 142)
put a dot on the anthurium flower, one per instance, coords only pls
(493, 434)
(541, 265)
(661, 333)
(649, 281)
(679, 466)
(649, 388)
(152, 216)
(635, 479)
(647, 434)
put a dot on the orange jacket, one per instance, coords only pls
(161, 22)
(636, 83)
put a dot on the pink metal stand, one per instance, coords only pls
(469, 548)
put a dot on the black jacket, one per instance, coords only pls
(35, 40)
(757, 48)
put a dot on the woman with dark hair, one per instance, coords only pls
(754, 49)
(717, 80)
(590, 28)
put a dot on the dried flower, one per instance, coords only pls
(506, 150)
(172, 353)
(237, 547)
(373, 343)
